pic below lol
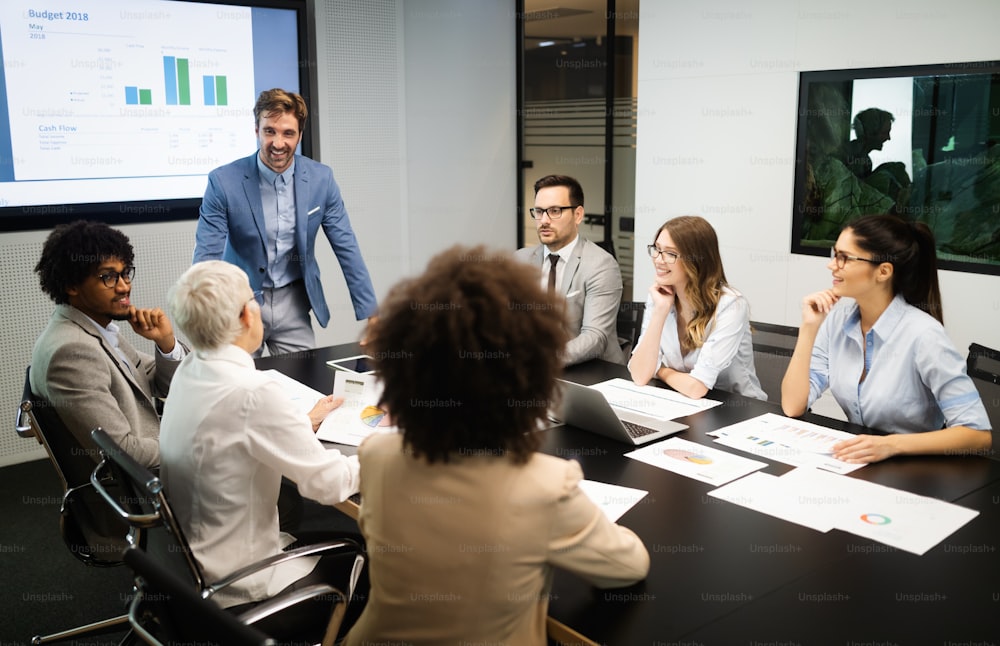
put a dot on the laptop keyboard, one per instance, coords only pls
(635, 430)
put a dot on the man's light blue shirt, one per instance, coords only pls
(112, 333)
(915, 381)
(277, 196)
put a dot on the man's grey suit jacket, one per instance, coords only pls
(75, 368)
(592, 287)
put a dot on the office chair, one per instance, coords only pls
(92, 533)
(983, 365)
(147, 509)
(772, 350)
(629, 325)
(167, 609)
(37, 418)
(607, 245)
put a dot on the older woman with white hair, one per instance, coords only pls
(229, 433)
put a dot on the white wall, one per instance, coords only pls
(415, 112)
(718, 88)
(461, 158)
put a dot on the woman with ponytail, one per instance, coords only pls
(876, 339)
(696, 328)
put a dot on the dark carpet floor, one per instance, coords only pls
(45, 588)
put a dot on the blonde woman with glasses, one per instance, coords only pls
(696, 328)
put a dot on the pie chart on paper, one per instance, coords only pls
(374, 416)
(687, 456)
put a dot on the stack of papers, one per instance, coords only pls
(359, 416)
(825, 501)
(658, 403)
(301, 395)
(817, 494)
(787, 440)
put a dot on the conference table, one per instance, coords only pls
(724, 574)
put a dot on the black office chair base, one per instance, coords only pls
(97, 628)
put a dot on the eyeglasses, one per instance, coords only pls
(669, 257)
(110, 278)
(554, 212)
(258, 296)
(841, 258)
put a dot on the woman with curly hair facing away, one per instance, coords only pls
(464, 520)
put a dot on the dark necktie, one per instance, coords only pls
(553, 260)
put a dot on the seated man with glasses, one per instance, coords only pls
(80, 363)
(585, 275)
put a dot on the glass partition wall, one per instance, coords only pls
(577, 113)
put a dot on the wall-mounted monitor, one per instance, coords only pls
(118, 109)
(918, 141)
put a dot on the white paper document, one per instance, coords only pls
(695, 461)
(302, 395)
(891, 516)
(359, 416)
(613, 500)
(787, 440)
(825, 501)
(651, 401)
(770, 495)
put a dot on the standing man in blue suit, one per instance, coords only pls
(262, 213)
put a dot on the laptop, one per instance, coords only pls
(587, 408)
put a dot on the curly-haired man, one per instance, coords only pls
(90, 374)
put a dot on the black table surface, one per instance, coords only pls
(724, 574)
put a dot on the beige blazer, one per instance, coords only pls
(464, 552)
(76, 369)
(592, 287)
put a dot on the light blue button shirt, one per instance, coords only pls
(112, 333)
(725, 360)
(277, 196)
(915, 379)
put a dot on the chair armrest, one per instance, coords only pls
(276, 604)
(138, 623)
(327, 547)
(135, 619)
(24, 423)
(142, 521)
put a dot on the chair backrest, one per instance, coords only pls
(92, 533)
(629, 325)
(37, 418)
(772, 350)
(983, 366)
(608, 246)
(142, 503)
(167, 609)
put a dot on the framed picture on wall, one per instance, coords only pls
(918, 141)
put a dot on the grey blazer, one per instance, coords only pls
(76, 369)
(592, 287)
